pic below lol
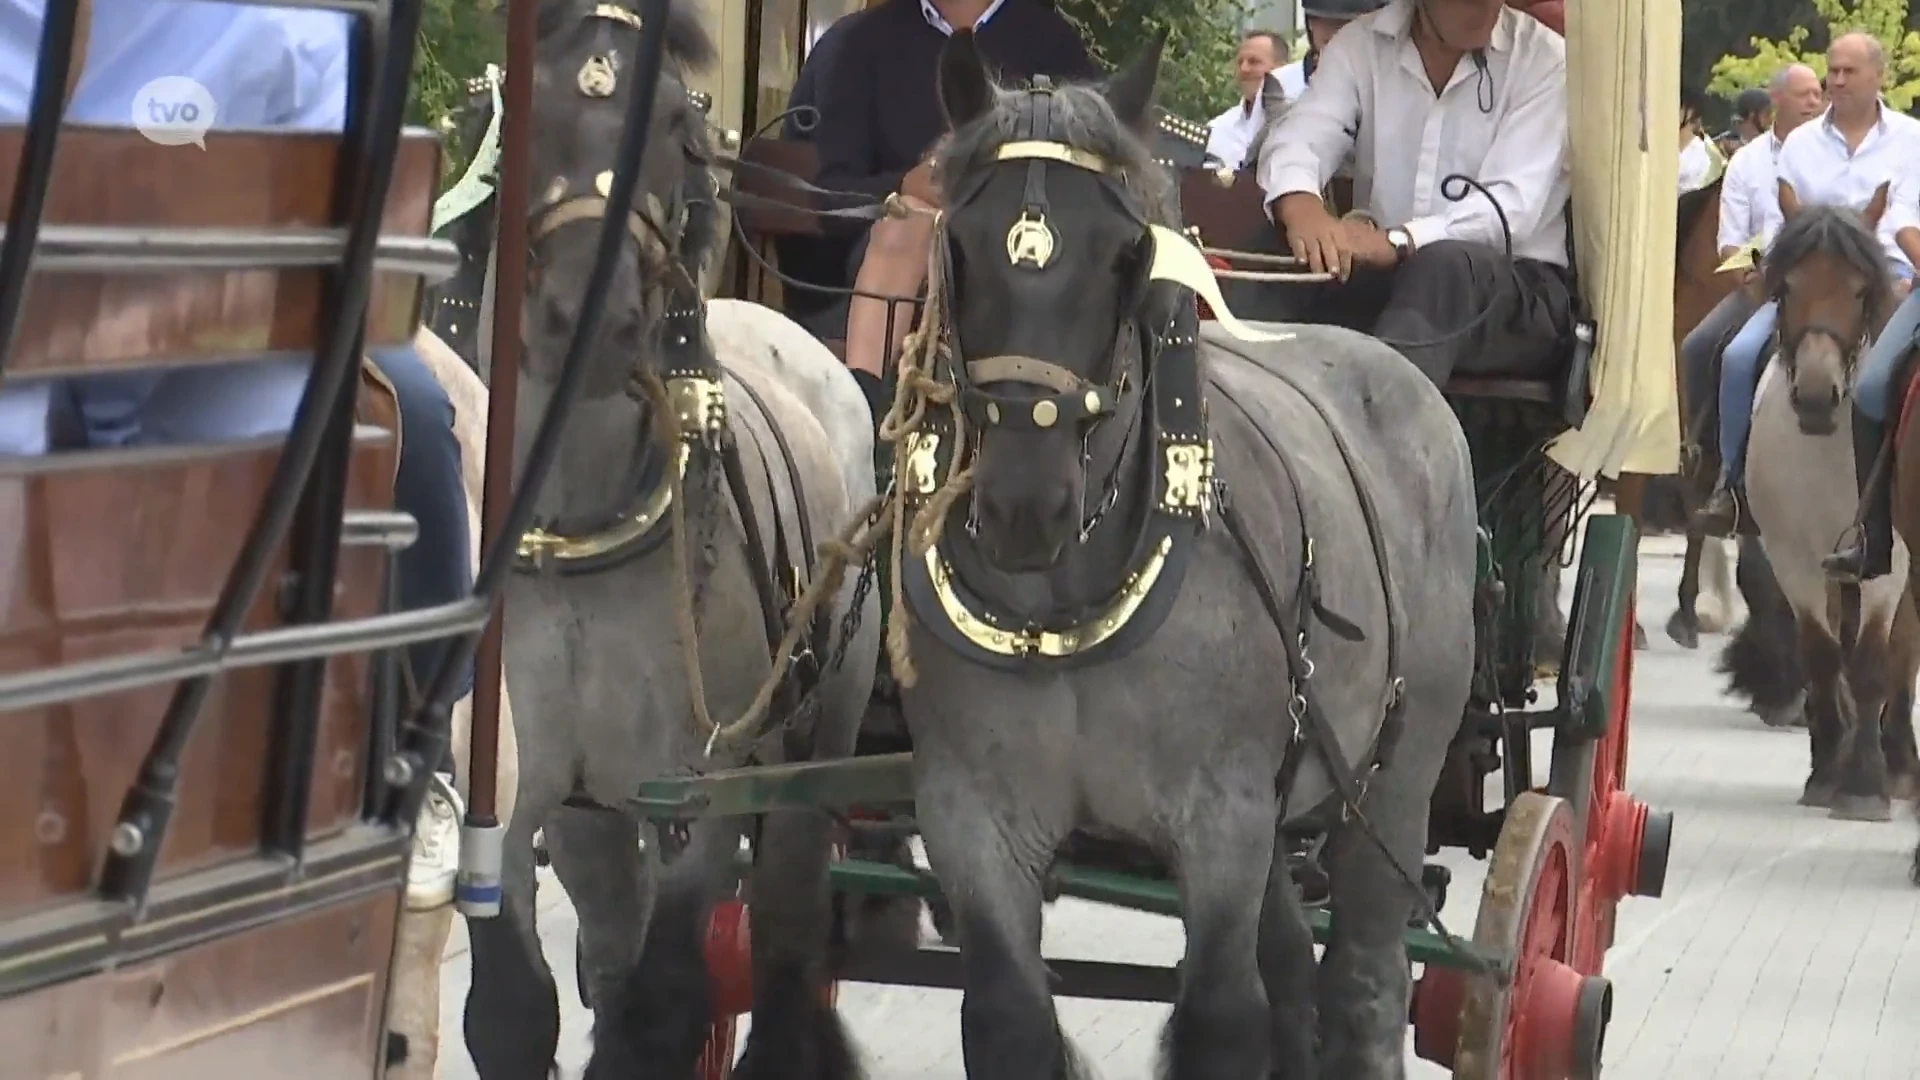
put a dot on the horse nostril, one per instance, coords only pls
(557, 318)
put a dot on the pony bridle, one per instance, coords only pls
(1065, 397)
(652, 225)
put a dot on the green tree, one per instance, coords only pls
(1886, 20)
(458, 39)
(1196, 72)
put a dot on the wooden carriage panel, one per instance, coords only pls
(243, 181)
(295, 999)
(116, 552)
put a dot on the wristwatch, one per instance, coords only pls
(1402, 242)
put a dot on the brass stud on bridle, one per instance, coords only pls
(1045, 413)
(598, 78)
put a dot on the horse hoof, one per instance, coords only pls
(1640, 637)
(1792, 714)
(1682, 630)
(1818, 795)
(1861, 808)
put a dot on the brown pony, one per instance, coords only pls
(1698, 288)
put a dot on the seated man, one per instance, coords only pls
(1856, 146)
(879, 118)
(1230, 135)
(1749, 214)
(264, 68)
(1427, 274)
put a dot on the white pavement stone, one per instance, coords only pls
(1785, 947)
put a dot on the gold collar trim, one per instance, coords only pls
(983, 631)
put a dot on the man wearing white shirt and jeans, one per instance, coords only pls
(1749, 213)
(1416, 92)
(1840, 159)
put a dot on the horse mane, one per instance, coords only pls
(1082, 119)
(1837, 231)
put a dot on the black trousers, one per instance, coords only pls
(1526, 332)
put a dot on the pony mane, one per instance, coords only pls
(1082, 119)
(1837, 231)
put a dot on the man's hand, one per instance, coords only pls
(918, 185)
(1317, 237)
(1370, 246)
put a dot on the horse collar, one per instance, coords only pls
(696, 399)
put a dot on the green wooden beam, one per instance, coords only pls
(875, 780)
(1151, 895)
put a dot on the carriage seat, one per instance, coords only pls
(108, 553)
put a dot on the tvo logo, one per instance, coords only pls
(174, 111)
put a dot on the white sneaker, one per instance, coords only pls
(436, 847)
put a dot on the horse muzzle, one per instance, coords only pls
(1816, 410)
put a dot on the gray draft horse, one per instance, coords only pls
(1068, 344)
(1829, 275)
(598, 633)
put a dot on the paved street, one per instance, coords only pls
(1784, 949)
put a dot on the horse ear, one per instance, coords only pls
(1131, 89)
(966, 91)
(1877, 205)
(1789, 201)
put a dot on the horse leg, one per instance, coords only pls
(1684, 626)
(1227, 855)
(1287, 970)
(597, 857)
(990, 859)
(1896, 723)
(1820, 656)
(512, 1021)
(654, 1022)
(1863, 769)
(1629, 498)
(796, 1035)
(1716, 563)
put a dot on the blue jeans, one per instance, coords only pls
(1874, 390)
(1739, 381)
(231, 402)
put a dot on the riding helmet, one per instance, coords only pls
(1341, 9)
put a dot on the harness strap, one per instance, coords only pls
(808, 665)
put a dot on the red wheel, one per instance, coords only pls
(1623, 846)
(1550, 1021)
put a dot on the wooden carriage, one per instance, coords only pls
(206, 797)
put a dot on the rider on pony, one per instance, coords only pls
(1840, 159)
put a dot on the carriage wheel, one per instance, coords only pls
(730, 975)
(1624, 845)
(1550, 1021)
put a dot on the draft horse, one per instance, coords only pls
(1116, 619)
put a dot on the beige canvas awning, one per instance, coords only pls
(1623, 81)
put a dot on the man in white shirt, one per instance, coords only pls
(1415, 93)
(1696, 161)
(1840, 159)
(1749, 213)
(1231, 134)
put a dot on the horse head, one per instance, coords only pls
(1828, 272)
(1054, 207)
(584, 71)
